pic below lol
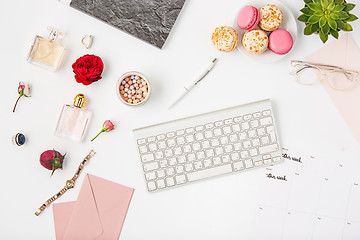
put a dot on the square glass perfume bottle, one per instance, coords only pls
(46, 52)
(73, 120)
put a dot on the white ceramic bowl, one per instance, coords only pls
(127, 75)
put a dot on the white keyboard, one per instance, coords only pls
(225, 141)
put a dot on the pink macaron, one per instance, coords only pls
(280, 41)
(248, 17)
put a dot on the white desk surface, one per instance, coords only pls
(219, 208)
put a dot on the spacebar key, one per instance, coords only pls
(210, 172)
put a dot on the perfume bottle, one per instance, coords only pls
(73, 120)
(46, 52)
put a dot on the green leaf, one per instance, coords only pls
(323, 37)
(334, 33)
(319, 13)
(334, 16)
(316, 1)
(308, 1)
(338, 8)
(341, 25)
(307, 30)
(315, 27)
(332, 23)
(324, 3)
(303, 18)
(314, 7)
(313, 19)
(322, 21)
(343, 15)
(338, 2)
(307, 11)
(325, 29)
(351, 18)
(348, 27)
(349, 7)
(331, 6)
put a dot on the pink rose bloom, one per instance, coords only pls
(107, 127)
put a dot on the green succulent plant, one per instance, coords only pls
(327, 17)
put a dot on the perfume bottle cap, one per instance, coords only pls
(54, 33)
(79, 100)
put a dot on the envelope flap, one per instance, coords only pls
(85, 221)
(62, 214)
(113, 201)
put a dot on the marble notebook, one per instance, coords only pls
(149, 20)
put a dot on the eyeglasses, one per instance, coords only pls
(338, 78)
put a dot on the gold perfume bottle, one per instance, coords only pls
(46, 52)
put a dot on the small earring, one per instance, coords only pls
(86, 41)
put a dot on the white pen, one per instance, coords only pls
(192, 83)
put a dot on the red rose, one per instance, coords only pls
(88, 69)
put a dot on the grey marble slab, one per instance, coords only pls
(149, 20)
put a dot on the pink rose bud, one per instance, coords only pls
(107, 127)
(23, 90)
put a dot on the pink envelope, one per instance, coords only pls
(98, 213)
(343, 53)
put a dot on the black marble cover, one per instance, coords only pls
(149, 20)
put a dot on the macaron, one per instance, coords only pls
(280, 41)
(255, 41)
(271, 17)
(224, 39)
(248, 17)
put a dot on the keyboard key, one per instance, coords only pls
(209, 153)
(189, 167)
(187, 148)
(237, 146)
(210, 172)
(180, 132)
(141, 141)
(160, 183)
(170, 171)
(257, 115)
(180, 140)
(238, 166)
(224, 140)
(152, 147)
(235, 156)
(245, 126)
(256, 142)
(266, 121)
(214, 142)
(267, 161)
(168, 152)
(151, 139)
(163, 163)
(142, 149)
(190, 138)
(247, 117)
(161, 144)
(236, 128)
(227, 130)
(237, 119)
(265, 140)
(219, 150)
(247, 144)
(208, 134)
(217, 132)
(180, 179)
(228, 148)
(196, 146)
(252, 133)
(219, 123)
(276, 159)
(207, 163)
(198, 165)
(266, 113)
(179, 169)
(161, 137)
(217, 160)
(147, 157)
(151, 186)
(199, 136)
(172, 161)
(253, 152)
(171, 142)
(191, 157)
(200, 155)
(271, 131)
(228, 121)
(150, 166)
(150, 176)
(181, 159)
(177, 151)
(233, 138)
(254, 123)
(205, 144)
(248, 163)
(209, 125)
(261, 131)
(170, 134)
(190, 130)
(199, 128)
(170, 181)
(268, 148)
(159, 155)
(244, 154)
(160, 173)
(258, 163)
(242, 136)
(225, 158)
